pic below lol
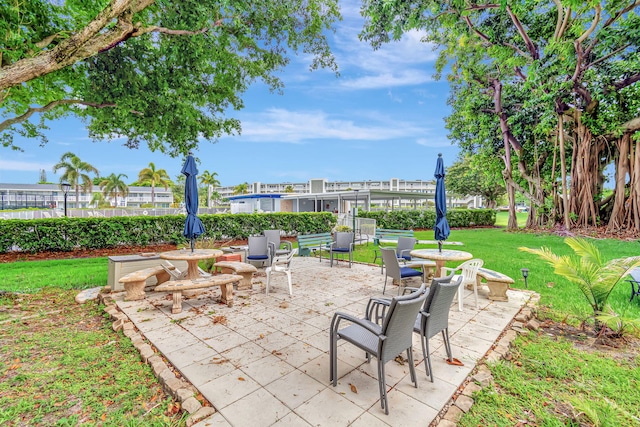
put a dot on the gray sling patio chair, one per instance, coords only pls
(278, 247)
(394, 270)
(343, 244)
(259, 250)
(384, 342)
(433, 318)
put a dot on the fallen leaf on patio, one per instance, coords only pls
(241, 379)
(261, 336)
(284, 304)
(399, 360)
(353, 388)
(220, 319)
(276, 353)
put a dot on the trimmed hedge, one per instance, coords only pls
(411, 220)
(66, 234)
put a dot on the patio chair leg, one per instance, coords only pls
(268, 280)
(383, 387)
(289, 279)
(427, 357)
(447, 343)
(412, 368)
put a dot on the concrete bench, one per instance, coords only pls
(498, 283)
(242, 269)
(135, 281)
(309, 242)
(176, 287)
(389, 235)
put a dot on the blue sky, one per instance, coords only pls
(382, 118)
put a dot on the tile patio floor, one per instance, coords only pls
(267, 362)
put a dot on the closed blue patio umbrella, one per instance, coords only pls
(192, 225)
(442, 226)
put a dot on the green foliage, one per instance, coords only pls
(594, 276)
(513, 69)
(409, 220)
(65, 234)
(113, 186)
(476, 176)
(166, 74)
(66, 367)
(75, 172)
(544, 375)
(152, 176)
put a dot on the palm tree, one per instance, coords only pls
(75, 173)
(209, 179)
(98, 200)
(594, 276)
(289, 189)
(241, 188)
(113, 186)
(154, 176)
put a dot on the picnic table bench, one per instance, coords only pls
(309, 242)
(135, 281)
(498, 283)
(389, 235)
(240, 268)
(176, 287)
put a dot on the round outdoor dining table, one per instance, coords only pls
(441, 257)
(192, 258)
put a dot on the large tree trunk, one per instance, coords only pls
(584, 175)
(563, 169)
(622, 168)
(626, 208)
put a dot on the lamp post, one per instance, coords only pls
(65, 189)
(355, 212)
(525, 274)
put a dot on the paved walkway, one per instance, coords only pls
(265, 361)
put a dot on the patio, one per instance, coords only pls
(265, 361)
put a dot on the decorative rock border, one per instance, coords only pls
(182, 391)
(481, 377)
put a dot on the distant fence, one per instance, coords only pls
(103, 213)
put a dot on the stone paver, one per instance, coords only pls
(272, 352)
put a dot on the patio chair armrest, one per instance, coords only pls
(377, 309)
(405, 252)
(338, 316)
(287, 245)
(450, 269)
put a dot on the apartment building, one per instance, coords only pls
(51, 196)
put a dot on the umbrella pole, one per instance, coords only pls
(440, 246)
(192, 244)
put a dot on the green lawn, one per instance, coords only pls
(57, 348)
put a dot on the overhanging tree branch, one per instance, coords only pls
(50, 106)
(531, 47)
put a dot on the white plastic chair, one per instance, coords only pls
(280, 264)
(469, 272)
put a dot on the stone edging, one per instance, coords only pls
(182, 391)
(461, 402)
(481, 376)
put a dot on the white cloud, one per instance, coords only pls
(436, 141)
(282, 125)
(389, 79)
(14, 165)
